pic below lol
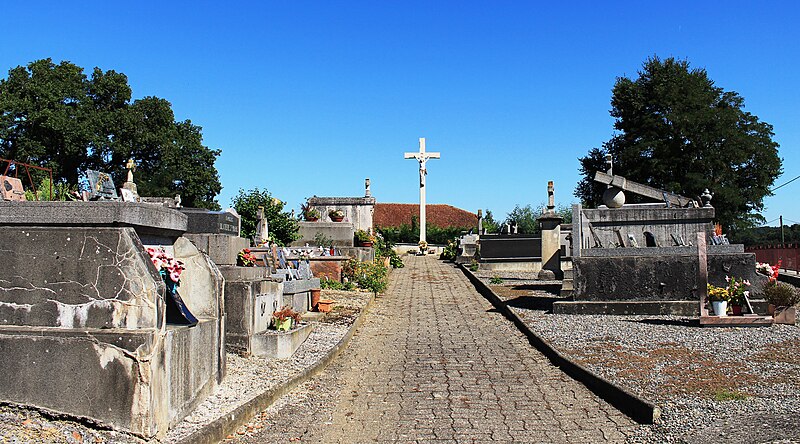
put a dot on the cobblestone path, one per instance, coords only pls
(434, 363)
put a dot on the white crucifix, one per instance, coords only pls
(422, 157)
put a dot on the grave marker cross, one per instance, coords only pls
(422, 157)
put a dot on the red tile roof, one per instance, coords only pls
(440, 215)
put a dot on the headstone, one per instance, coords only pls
(262, 227)
(11, 188)
(101, 186)
(211, 222)
(128, 195)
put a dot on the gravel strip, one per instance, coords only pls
(720, 385)
(246, 378)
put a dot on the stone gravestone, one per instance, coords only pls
(101, 186)
(211, 222)
(11, 188)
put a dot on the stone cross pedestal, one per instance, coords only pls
(422, 157)
(550, 223)
(262, 227)
(132, 193)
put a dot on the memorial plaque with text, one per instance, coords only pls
(211, 222)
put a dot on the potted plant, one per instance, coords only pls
(737, 294)
(782, 299)
(718, 297)
(310, 213)
(285, 318)
(364, 239)
(336, 215)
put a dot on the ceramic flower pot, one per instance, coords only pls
(736, 310)
(720, 308)
(337, 218)
(325, 305)
(315, 294)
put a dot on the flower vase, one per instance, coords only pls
(720, 308)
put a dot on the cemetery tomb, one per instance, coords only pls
(641, 258)
(252, 294)
(82, 305)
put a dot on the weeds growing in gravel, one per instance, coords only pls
(496, 280)
(729, 395)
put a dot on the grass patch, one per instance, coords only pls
(729, 395)
(496, 280)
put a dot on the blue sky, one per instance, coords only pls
(309, 98)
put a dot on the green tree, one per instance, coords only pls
(489, 224)
(57, 117)
(283, 229)
(681, 133)
(525, 218)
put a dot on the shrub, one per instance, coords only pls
(383, 249)
(330, 284)
(372, 276)
(781, 294)
(496, 280)
(449, 252)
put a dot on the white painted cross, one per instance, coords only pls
(422, 157)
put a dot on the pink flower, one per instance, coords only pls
(175, 276)
(727, 279)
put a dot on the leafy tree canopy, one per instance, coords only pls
(525, 217)
(57, 117)
(283, 229)
(679, 132)
(489, 224)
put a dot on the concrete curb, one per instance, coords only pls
(218, 429)
(638, 409)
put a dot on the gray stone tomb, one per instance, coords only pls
(81, 301)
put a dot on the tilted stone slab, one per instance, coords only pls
(146, 218)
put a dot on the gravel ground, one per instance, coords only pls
(246, 378)
(714, 385)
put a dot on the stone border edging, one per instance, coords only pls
(221, 427)
(638, 409)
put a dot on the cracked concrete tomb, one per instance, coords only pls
(83, 328)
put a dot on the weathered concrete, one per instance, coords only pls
(147, 219)
(659, 278)
(249, 305)
(77, 278)
(357, 210)
(84, 306)
(662, 222)
(221, 248)
(280, 344)
(340, 233)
